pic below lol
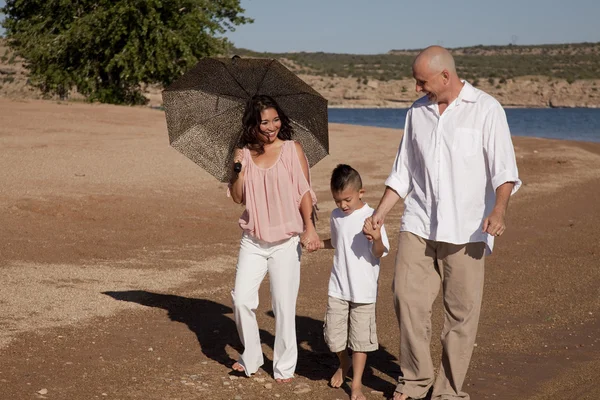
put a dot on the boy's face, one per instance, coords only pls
(349, 199)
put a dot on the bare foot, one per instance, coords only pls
(337, 380)
(283, 380)
(238, 367)
(400, 396)
(357, 393)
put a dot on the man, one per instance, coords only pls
(456, 170)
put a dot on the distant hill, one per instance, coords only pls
(566, 61)
(518, 76)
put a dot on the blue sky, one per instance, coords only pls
(376, 26)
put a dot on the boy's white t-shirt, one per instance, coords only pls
(355, 269)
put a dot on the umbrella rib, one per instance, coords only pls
(235, 80)
(221, 113)
(300, 125)
(266, 72)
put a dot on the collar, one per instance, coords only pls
(467, 93)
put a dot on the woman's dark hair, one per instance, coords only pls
(344, 176)
(251, 122)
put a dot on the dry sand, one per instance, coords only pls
(117, 258)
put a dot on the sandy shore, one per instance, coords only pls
(117, 257)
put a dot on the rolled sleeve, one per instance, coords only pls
(499, 149)
(397, 185)
(399, 179)
(506, 176)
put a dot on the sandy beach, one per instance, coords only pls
(117, 259)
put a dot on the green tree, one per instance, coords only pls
(107, 48)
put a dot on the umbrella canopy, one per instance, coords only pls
(204, 109)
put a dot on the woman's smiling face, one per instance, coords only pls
(270, 124)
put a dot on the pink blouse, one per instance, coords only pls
(272, 196)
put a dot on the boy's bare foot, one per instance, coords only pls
(238, 367)
(283, 380)
(357, 393)
(400, 396)
(337, 380)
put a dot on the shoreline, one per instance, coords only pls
(390, 105)
(404, 107)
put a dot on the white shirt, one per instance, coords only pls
(355, 269)
(448, 167)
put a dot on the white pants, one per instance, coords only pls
(282, 261)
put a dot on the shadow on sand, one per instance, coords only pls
(213, 325)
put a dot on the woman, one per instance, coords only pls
(274, 185)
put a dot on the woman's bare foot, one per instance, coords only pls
(357, 393)
(238, 367)
(283, 380)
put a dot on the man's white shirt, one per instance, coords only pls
(448, 167)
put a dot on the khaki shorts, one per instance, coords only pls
(350, 325)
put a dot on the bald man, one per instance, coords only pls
(456, 170)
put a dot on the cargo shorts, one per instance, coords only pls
(350, 325)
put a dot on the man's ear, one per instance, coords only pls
(446, 76)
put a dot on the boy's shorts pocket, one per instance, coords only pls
(335, 326)
(363, 329)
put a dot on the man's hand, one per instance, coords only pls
(374, 222)
(370, 231)
(494, 223)
(377, 220)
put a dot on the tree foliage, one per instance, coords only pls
(107, 48)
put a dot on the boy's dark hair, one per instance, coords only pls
(344, 176)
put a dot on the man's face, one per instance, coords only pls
(430, 83)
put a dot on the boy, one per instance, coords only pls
(350, 318)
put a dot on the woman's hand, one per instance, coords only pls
(310, 239)
(238, 157)
(236, 184)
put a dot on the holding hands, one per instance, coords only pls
(310, 240)
(372, 229)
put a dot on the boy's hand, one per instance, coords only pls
(366, 231)
(310, 240)
(369, 231)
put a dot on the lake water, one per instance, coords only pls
(582, 124)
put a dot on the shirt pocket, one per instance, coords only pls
(466, 141)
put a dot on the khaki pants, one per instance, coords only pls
(421, 265)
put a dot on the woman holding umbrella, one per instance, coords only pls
(274, 186)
